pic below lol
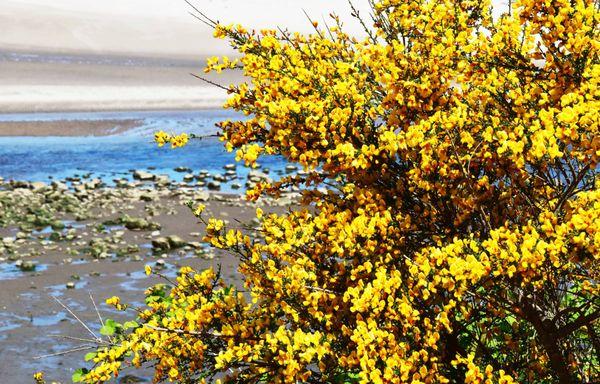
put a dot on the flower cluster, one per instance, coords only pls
(450, 207)
(161, 138)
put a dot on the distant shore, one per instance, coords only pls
(42, 82)
(67, 127)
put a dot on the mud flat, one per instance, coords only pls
(79, 242)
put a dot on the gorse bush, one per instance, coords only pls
(448, 227)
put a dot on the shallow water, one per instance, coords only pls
(109, 157)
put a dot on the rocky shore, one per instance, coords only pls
(83, 239)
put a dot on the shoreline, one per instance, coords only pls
(96, 123)
(62, 128)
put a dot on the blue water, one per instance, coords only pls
(114, 156)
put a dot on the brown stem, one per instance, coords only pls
(548, 337)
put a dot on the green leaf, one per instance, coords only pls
(79, 375)
(130, 324)
(107, 330)
(89, 356)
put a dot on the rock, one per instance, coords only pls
(254, 174)
(161, 243)
(290, 168)
(94, 184)
(57, 225)
(70, 285)
(175, 241)
(214, 185)
(81, 189)
(20, 184)
(57, 185)
(155, 233)
(138, 224)
(160, 263)
(146, 197)
(121, 183)
(218, 177)
(230, 173)
(25, 266)
(229, 167)
(236, 186)
(195, 245)
(188, 177)
(182, 169)
(38, 185)
(162, 179)
(201, 196)
(131, 379)
(143, 175)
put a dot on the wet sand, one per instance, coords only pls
(96, 255)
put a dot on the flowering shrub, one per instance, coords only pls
(457, 237)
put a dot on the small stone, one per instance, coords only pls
(195, 245)
(143, 175)
(25, 266)
(214, 185)
(161, 243)
(160, 263)
(175, 241)
(36, 185)
(218, 177)
(70, 285)
(182, 169)
(201, 196)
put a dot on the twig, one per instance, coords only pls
(75, 316)
(208, 21)
(77, 349)
(96, 308)
(212, 82)
(81, 339)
